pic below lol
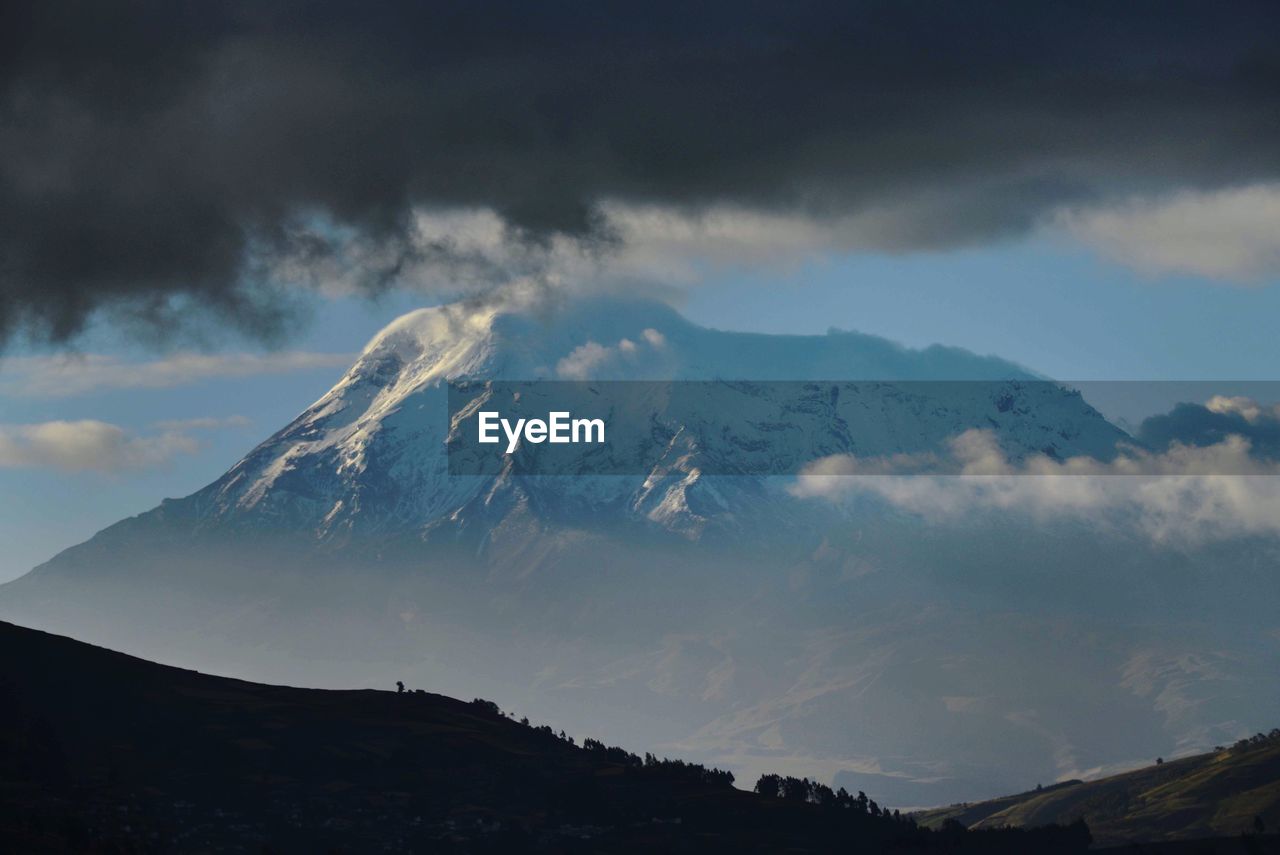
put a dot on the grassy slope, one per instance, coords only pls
(1208, 794)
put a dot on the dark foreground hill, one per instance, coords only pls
(102, 752)
(1227, 792)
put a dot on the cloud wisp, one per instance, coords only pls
(90, 445)
(588, 360)
(66, 375)
(1225, 235)
(157, 160)
(1183, 495)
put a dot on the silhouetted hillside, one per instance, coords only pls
(101, 752)
(1227, 792)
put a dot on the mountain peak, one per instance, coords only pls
(518, 336)
(368, 460)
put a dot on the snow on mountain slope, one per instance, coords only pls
(368, 458)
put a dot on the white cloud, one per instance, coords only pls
(88, 446)
(464, 249)
(75, 374)
(1246, 408)
(682, 246)
(473, 250)
(586, 361)
(1185, 495)
(655, 338)
(583, 361)
(1231, 234)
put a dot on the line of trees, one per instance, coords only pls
(672, 770)
(1256, 740)
(666, 767)
(837, 814)
(793, 789)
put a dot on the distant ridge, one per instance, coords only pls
(1221, 793)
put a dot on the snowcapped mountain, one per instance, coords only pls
(666, 606)
(368, 458)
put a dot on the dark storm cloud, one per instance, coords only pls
(153, 151)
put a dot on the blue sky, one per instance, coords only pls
(1052, 307)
